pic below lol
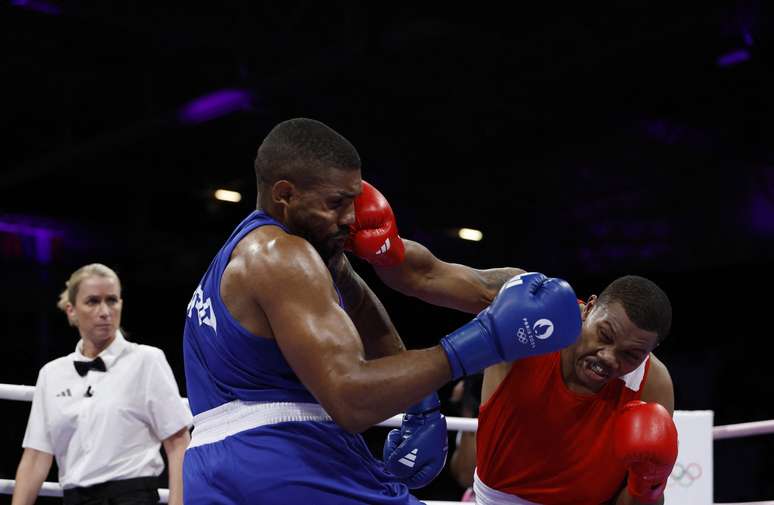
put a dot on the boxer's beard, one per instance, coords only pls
(327, 246)
(333, 245)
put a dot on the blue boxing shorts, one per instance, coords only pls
(284, 454)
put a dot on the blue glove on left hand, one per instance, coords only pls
(416, 453)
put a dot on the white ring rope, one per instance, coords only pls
(18, 393)
(53, 489)
(743, 430)
(25, 393)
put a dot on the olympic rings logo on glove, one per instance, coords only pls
(686, 475)
(521, 334)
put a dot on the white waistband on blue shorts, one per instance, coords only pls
(236, 416)
(485, 495)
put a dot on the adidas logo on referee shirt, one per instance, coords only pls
(66, 392)
(409, 458)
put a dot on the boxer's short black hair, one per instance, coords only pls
(645, 303)
(301, 150)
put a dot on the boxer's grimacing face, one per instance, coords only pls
(322, 212)
(610, 345)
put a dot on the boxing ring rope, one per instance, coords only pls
(25, 393)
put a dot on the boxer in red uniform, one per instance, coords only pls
(589, 424)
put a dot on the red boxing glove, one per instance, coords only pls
(374, 236)
(645, 439)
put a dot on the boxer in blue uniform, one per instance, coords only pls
(289, 355)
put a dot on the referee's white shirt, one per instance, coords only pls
(106, 425)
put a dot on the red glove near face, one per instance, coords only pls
(374, 236)
(645, 439)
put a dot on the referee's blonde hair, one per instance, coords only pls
(74, 282)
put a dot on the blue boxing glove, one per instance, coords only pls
(532, 314)
(415, 453)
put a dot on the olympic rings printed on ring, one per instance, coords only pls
(685, 475)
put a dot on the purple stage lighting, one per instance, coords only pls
(214, 105)
(733, 57)
(29, 241)
(38, 6)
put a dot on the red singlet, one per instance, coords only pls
(542, 442)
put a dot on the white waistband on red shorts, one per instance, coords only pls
(485, 495)
(236, 416)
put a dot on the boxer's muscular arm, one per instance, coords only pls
(322, 345)
(379, 336)
(451, 285)
(658, 388)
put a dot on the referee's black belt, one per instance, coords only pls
(104, 493)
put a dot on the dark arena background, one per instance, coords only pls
(582, 141)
